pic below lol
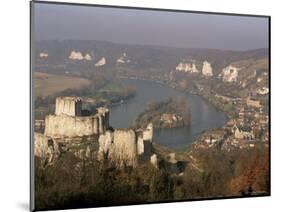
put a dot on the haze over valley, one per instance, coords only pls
(124, 117)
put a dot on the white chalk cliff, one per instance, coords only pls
(229, 74)
(187, 67)
(43, 55)
(120, 60)
(101, 62)
(207, 69)
(76, 55)
(123, 59)
(88, 57)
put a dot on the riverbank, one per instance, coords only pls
(169, 113)
(178, 89)
(205, 115)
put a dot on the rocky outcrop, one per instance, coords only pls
(120, 61)
(76, 55)
(46, 148)
(207, 69)
(123, 59)
(101, 62)
(88, 57)
(189, 67)
(229, 74)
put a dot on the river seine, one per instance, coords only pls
(204, 116)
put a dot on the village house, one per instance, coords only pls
(253, 103)
(245, 133)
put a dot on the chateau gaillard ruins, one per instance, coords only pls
(71, 125)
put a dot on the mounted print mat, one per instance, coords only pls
(137, 106)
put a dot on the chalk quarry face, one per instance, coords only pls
(190, 67)
(76, 55)
(187, 67)
(229, 74)
(207, 69)
(122, 147)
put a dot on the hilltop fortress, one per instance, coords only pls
(71, 124)
(69, 120)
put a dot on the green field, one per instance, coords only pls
(48, 84)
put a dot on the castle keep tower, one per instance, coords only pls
(71, 106)
(69, 122)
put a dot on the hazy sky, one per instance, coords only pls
(62, 22)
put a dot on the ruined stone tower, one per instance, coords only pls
(71, 106)
(123, 147)
(69, 122)
(126, 147)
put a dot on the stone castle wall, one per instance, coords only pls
(73, 126)
(120, 147)
(70, 126)
(69, 122)
(144, 141)
(124, 147)
(148, 133)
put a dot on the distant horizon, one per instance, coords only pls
(154, 45)
(150, 27)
